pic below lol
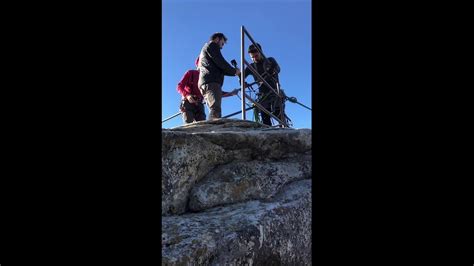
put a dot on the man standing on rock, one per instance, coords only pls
(212, 68)
(268, 68)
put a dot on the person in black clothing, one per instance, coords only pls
(212, 68)
(268, 68)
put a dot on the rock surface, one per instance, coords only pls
(241, 181)
(236, 193)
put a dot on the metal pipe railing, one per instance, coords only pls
(173, 116)
(236, 113)
(255, 44)
(242, 77)
(265, 110)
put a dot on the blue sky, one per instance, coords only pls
(282, 27)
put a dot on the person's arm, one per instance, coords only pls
(247, 71)
(274, 67)
(182, 87)
(231, 93)
(215, 54)
(182, 84)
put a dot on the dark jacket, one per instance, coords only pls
(270, 66)
(213, 66)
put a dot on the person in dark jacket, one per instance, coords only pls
(268, 68)
(212, 69)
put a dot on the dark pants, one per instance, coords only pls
(272, 103)
(212, 92)
(192, 112)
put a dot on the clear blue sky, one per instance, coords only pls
(282, 27)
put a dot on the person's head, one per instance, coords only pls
(254, 53)
(218, 38)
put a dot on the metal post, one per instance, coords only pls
(242, 66)
(282, 113)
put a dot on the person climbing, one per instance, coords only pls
(268, 68)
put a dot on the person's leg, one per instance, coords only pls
(266, 119)
(213, 96)
(200, 113)
(277, 108)
(188, 114)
